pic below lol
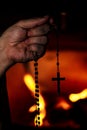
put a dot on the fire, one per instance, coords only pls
(62, 103)
(75, 97)
(30, 83)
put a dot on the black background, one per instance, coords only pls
(11, 12)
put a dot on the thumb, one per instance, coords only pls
(30, 23)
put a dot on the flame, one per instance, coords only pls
(62, 103)
(30, 83)
(75, 97)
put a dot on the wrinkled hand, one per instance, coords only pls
(21, 39)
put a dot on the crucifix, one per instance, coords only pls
(58, 79)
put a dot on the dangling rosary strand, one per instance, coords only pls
(58, 78)
(57, 55)
(57, 64)
(37, 119)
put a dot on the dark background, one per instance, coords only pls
(10, 12)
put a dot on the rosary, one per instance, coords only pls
(58, 78)
(37, 119)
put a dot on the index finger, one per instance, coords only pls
(30, 23)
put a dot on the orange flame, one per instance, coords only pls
(30, 83)
(75, 97)
(62, 103)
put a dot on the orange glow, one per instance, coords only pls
(73, 67)
(30, 83)
(75, 97)
(62, 103)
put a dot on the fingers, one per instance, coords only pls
(25, 53)
(37, 40)
(41, 30)
(32, 22)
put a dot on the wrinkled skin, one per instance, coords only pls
(21, 39)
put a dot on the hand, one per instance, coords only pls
(19, 40)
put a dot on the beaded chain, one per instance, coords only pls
(58, 78)
(37, 118)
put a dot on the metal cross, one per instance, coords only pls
(58, 78)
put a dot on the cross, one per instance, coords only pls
(58, 78)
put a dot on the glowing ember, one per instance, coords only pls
(30, 83)
(75, 97)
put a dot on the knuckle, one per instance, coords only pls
(43, 39)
